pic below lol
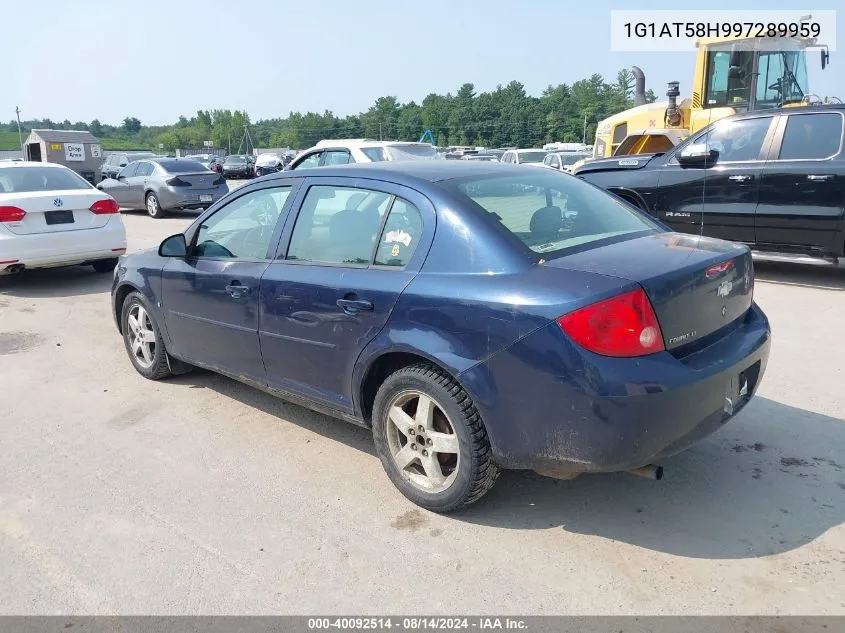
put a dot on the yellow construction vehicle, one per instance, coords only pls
(731, 75)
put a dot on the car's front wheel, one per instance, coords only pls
(142, 338)
(154, 209)
(431, 439)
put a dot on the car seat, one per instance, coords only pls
(546, 223)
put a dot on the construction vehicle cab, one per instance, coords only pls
(732, 75)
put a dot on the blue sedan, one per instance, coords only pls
(475, 316)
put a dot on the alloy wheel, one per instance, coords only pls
(142, 337)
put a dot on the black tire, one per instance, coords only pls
(158, 368)
(476, 470)
(105, 265)
(153, 206)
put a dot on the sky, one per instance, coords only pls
(157, 60)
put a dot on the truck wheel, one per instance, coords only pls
(431, 440)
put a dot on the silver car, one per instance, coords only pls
(160, 185)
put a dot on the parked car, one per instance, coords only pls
(524, 157)
(117, 161)
(773, 179)
(563, 161)
(490, 158)
(51, 216)
(160, 185)
(341, 152)
(238, 166)
(203, 159)
(268, 163)
(571, 334)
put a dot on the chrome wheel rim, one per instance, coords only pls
(142, 338)
(422, 442)
(152, 205)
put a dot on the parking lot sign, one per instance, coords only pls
(96, 152)
(74, 152)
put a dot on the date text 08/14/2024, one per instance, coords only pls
(416, 623)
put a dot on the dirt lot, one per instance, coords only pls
(200, 495)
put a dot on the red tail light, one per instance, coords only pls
(105, 207)
(622, 326)
(11, 214)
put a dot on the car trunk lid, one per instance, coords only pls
(696, 285)
(203, 180)
(54, 211)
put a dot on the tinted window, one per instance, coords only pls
(24, 179)
(243, 227)
(811, 136)
(336, 158)
(235, 160)
(338, 225)
(400, 236)
(375, 154)
(531, 157)
(551, 212)
(312, 160)
(181, 166)
(129, 170)
(737, 140)
(144, 169)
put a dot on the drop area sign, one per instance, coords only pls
(74, 152)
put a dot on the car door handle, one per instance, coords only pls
(237, 290)
(352, 306)
(740, 178)
(819, 177)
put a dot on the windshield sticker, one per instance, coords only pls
(545, 247)
(398, 236)
(395, 251)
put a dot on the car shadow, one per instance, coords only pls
(67, 281)
(803, 272)
(766, 483)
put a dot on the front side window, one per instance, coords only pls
(552, 213)
(128, 171)
(726, 85)
(336, 158)
(811, 136)
(338, 225)
(243, 228)
(737, 141)
(312, 160)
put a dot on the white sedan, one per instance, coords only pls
(51, 216)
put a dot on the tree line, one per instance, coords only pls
(506, 116)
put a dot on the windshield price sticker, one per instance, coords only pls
(661, 31)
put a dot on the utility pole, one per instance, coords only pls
(584, 141)
(379, 130)
(20, 136)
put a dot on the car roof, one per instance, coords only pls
(413, 170)
(30, 163)
(359, 142)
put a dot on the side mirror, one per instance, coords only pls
(123, 164)
(120, 177)
(698, 155)
(174, 246)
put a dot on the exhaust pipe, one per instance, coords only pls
(639, 86)
(673, 113)
(14, 268)
(651, 471)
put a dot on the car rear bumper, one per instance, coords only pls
(62, 248)
(612, 414)
(180, 198)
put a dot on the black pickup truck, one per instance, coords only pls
(774, 180)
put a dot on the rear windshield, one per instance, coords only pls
(553, 213)
(181, 166)
(235, 159)
(375, 154)
(26, 179)
(531, 157)
(411, 152)
(571, 159)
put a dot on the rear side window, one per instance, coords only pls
(144, 169)
(338, 225)
(26, 179)
(552, 213)
(400, 236)
(811, 136)
(337, 158)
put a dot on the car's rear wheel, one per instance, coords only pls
(105, 265)
(154, 209)
(142, 338)
(431, 440)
